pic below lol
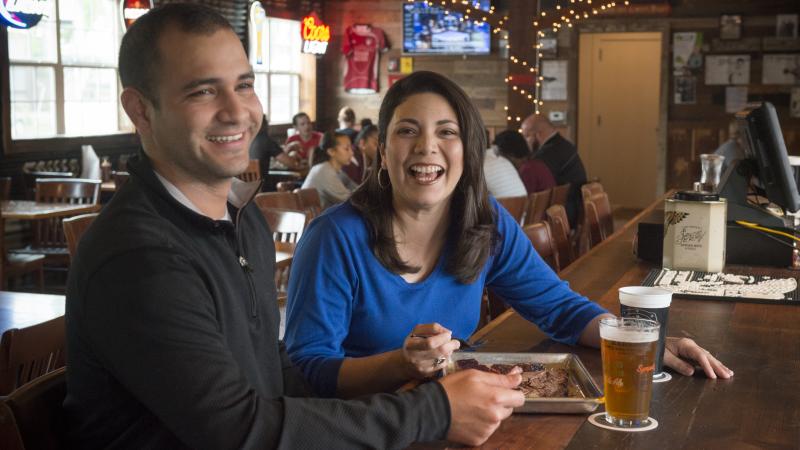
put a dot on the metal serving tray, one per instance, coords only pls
(584, 394)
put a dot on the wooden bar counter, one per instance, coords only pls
(756, 409)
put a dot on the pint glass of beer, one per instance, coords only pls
(628, 347)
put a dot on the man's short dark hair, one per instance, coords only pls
(512, 143)
(139, 57)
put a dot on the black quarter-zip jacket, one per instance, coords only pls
(172, 340)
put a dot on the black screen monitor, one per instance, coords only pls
(765, 145)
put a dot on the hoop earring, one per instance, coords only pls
(379, 178)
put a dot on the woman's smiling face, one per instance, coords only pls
(424, 154)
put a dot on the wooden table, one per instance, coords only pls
(22, 309)
(31, 210)
(758, 408)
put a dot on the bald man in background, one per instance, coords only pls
(560, 156)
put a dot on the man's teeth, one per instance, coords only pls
(221, 139)
(426, 169)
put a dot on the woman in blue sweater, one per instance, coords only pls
(382, 283)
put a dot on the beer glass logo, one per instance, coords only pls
(636, 313)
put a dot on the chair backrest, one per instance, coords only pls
(282, 200)
(591, 188)
(603, 208)
(286, 225)
(253, 171)
(309, 201)
(594, 233)
(559, 227)
(515, 206)
(119, 178)
(74, 227)
(287, 186)
(74, 191)
(537, 205)
(30, 352)
(5, 188)
(560, 194)
(544, 243)
(49, 232)
(32, 417)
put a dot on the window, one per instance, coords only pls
(280, 83)
(63, 72)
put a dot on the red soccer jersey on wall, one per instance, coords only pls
(360, 47)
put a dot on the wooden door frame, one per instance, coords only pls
(643, 26)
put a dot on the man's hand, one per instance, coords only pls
(479, 401)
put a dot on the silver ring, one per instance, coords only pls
(439, 361)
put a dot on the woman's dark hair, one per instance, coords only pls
(366, 122)
(512, 143)
(297, 117)
(365, 132)
(472, 233)
(327, 142)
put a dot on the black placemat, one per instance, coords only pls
(720, 286)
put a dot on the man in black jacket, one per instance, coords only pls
(561, 157)
(172, 320)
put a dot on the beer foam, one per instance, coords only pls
(645, 297)
(629, 335)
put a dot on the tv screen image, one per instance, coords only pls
(430, 29)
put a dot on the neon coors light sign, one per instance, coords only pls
(23, 13)
(315, 35)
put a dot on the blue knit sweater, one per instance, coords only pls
(344, 303)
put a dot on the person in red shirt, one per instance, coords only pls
(306, 139)
(534, 173)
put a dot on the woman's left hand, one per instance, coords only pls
(678, 350)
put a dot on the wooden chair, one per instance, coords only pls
(287, 186)
(536, 206)
(544, 243)
(309, 201)
(594, 233)
(74, 227)
(602, 208)
(281, 200)
(253, 171)
(287, 227)
(30, 179)
(560, 194)
(559, 227)
(48, 234)
(515, 206)
(32, 417)
(30, 352)
(20, 264)
(119, 179)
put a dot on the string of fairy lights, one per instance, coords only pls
(565, 14)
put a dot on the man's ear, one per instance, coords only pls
(138, 108)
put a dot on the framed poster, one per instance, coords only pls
(686, 48)
(730, 26)
(554, 84)
(727, 69)
(781, 69)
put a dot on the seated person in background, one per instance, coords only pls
(347, 120)
(502, 178)
(534, 173)
(172, 321)
(380, 284)
(560, 156)
(366, 146)
(365, 122)
(305, 140)
(326, 175)
(263, 148)
(733, 148)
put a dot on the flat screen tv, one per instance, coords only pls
(431, 29)
(766, 146)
